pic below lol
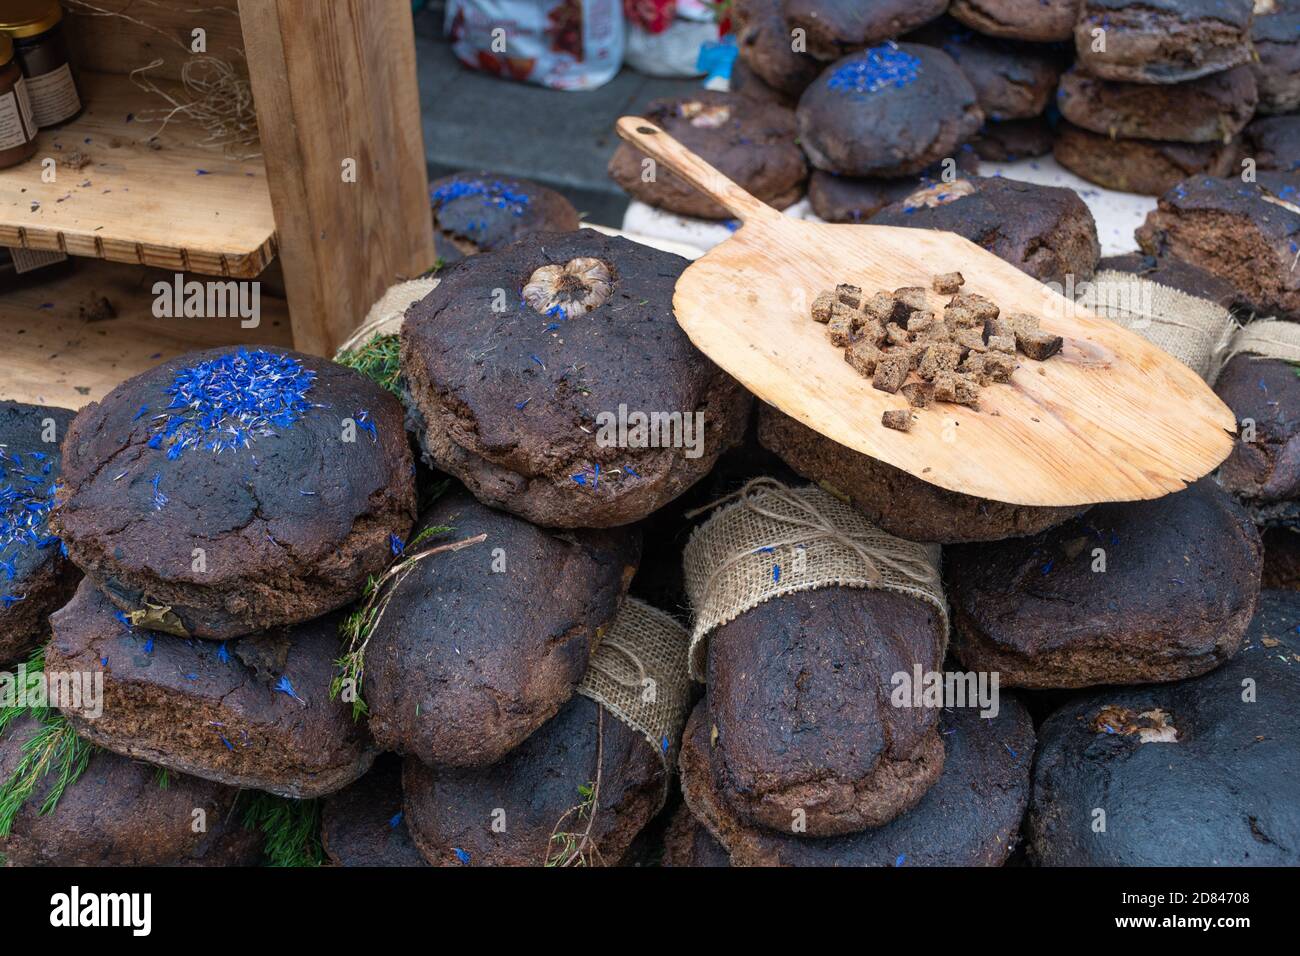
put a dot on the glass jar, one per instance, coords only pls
(36, 29)
(17, 127)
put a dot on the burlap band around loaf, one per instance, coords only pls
(1193, 330)
(1267, 338)
(638, 673)
(774, 540)
(386, 315)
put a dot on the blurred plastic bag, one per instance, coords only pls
(563, 44)
(664, 36)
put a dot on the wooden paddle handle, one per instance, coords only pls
(662, 148)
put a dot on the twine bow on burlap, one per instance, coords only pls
(767, 540)
(638, 673)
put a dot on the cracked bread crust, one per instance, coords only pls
(1181, 576)
(799, 691)
(1043, 22)
(289, 527)
(179, 704)
(509, 404)
(478, 648)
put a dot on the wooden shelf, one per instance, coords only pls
(61, 348)
(159, 202)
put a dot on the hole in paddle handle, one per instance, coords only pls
(646, 130)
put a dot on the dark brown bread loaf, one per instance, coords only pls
(853, 199)
(1145, 166)
(35, 577)
(118, 813)
(799, 700)
(363, 824)
(751, 142)
(480, 211)
(1273, 142)
(1212, 109)
(1245, 233)
(1041, 21)
(242, 489)
(901, 504)
(891, 110)
(249, 713)
(1044, 231)
(1011, 140)
(509, 401)
(581, 787)
(1281, 559)
(1198, 773)
(836, 27)
(1129, 593)
(970, 817)
(1264, 467)
(1163, 41)
(767, 49)
(478, 648)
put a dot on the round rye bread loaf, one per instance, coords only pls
(799, 700)
(363, 824)
(1010, 140)
(1263, 471)
(895, 500)
(527, 405)
(1146, 166)
(1273, 142)
(970, 817)
(578, 790)
(751, 142)
(478, 648)
(766, 49)
(254, 712)
(118, 813)
(1245, 233)
(891, 110)
(1204, 772)
(836, 27)
(477, 212)
(1129, 593)
(1045, 231)
(1041, 21)
(855, 199)
(1212, 109)
(233, 490)
(1163, 41)
(35, 577)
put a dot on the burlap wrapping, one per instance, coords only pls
(1267, 338)
(638, 673)
(774, 540)
(385, 316)
(1193, 330)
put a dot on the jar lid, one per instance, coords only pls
(28, 18)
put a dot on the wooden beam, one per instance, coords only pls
(335, 82)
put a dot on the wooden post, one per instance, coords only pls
(335, 82)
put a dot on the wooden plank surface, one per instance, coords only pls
(119, 194)
(335, 82)
(70, 342)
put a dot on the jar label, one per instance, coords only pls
(54, 96)
(12, 131)
(25, 105)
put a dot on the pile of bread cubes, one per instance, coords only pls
(904, 343)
